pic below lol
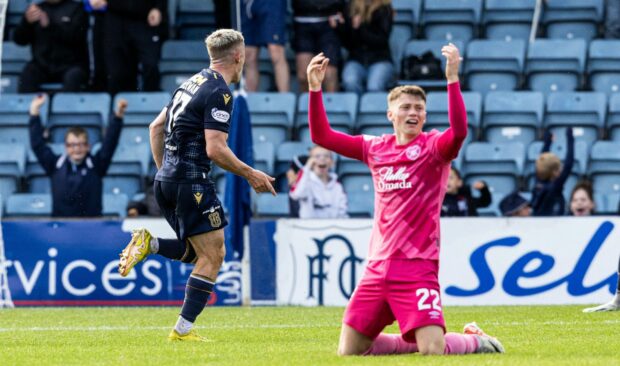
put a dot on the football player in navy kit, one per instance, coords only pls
(186, 136)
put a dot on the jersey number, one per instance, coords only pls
(424, 294)
(179, 103)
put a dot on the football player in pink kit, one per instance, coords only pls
(410, 169)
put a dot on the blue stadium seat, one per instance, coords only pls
(571, 19)
(360, 204)
(508, 19)
(606, 204)
(14, 117)
(272, 206)
(12, 167)
(555, 65)
(180, 60)
(419, 47)
(613, 118)
(584, 111)
(348, 166)
(399, 37)
(115, 205)
(272, 116)
(451, 19)
(264, 156)
(372, 112)
(15, 11)
(493, 209)
(358, 184)
(87, 110)
(512, 116)
(285, 153)
(604, 168)
(604, 65)
(407, 12)
(129, 166)
(341, 111)
(499, 164)
(14, 58)
(36, 179)
(195, 19)
(142, 109)
(494, 65)
(29, 204)
(437, 112)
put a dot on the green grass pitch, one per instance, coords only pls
(532, 335)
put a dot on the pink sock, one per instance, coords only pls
(387, 344)
(460, 344)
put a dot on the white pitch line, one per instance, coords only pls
(105, 328)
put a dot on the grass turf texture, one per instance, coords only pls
(532, 335)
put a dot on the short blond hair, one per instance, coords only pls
(406, 89)
(546, 165)
(223, 42)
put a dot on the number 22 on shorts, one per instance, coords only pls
(428, 299)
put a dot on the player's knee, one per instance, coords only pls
(190, 254)
(347, 350)
(435, 347)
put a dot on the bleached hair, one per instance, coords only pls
(222, 42)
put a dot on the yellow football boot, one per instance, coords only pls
(138, 248)
(192, 336)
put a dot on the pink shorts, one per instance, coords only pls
(406, 290)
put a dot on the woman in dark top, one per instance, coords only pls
(366, 35)
(459, 201)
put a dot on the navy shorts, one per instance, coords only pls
(317, 37)
(266, 23)
(190, 209)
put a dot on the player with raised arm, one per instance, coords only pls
(186, 136)
(410, 169)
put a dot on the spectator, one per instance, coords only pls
(76, 175)
(547, 196)
(514, 205)
(366, 35)
(97, 8)
(56, 31)
(582, 199)
(133, 34)
(315, 26)
(263, 23)
(293, 174)
(459, 201)
(319, 193)
(145, 207)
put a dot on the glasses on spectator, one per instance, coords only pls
(73, 145)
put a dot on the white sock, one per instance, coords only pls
(154, 245)
(183, 326)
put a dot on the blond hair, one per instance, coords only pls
(223, 42)
(361, 8)
(406, 89)
(547, 165)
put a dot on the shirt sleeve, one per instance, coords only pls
(450, 141)
(218, 110)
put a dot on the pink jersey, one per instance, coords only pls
(410, 183)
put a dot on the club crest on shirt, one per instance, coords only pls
(413, 152)
(198, 197)
(226, 98)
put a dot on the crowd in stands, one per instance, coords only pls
(120, 47)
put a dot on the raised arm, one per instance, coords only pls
(568, 161)
(450, 141)
(320, 130)
(156, 135)
(45, 155)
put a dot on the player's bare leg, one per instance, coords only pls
(430, 340)
(352, 342)
(280, 67)
(251, 68)
(302, 60)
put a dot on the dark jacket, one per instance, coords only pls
(60, 45)
(76, 189)
(463, 203)
(370, 43)
(547, 196)
(137, 9)
(317, 8)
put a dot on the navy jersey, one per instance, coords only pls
(202, 102)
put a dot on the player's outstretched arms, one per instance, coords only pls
(320, 130)
(156, 135)
(222, 155)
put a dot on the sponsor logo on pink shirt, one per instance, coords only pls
(390, 180)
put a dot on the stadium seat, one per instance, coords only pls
(360, 204)
(358, 184)
(272, 116)
(180, 60)
(494, 65)
(87, 110)
(606, 204)
(492, 210)
(450, 20)
(141, 110)
(264, 156)
(407, 13)
(399, 36)
(584, 111)
(419, 47)
(512, 116)
(12, 167)
(14, 58)
(129, 166)
(348, 166)
(195, 19)
(14, 117)
(29, 204)
(437, 112)
(272, 206)
(604, 65)
(604, 168)
(372, 112)
(499, 164)
(571, 19)
(36, 179)
(613, 118)
(341, 111)
(508, 19)
(285, 153)
(115, 205)
(555, 65)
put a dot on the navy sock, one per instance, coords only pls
(171, 248)
(197, 293)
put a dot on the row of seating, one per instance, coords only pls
(40, 204)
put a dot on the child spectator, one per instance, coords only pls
(514, 205)
(459, 200)
(319, 193)
(293, 175)
(582, 199)
(547, 196)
